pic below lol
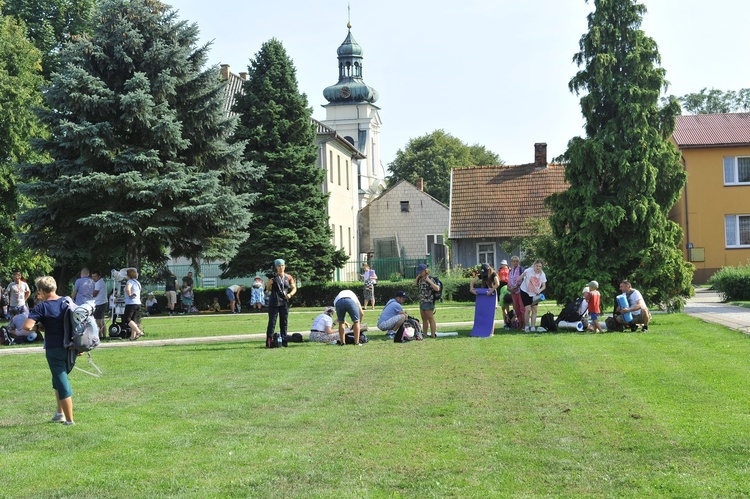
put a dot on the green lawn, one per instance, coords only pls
(660, 414)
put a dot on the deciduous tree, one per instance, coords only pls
(141, 167)
(291, 219)
(625, 175)
(20, 80)
(716, 101)
(432, 156)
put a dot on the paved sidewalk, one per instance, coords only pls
(706, 305)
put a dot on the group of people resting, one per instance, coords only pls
(524, 289)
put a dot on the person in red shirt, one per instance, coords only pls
(593, 299)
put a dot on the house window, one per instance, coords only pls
(341, 236)
(736, 170)
(330, 164)
(333, 234)
(405, 206)
(347, 174)
(486, 253)
(338, 161)
(737, 229)
(350, 240)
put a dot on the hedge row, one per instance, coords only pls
(733, 283)
(320, 295)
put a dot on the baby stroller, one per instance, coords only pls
(117, 305)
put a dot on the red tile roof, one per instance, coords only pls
(496, 201)
(712, 130)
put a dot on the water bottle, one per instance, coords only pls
(538, 298)
(278, 340)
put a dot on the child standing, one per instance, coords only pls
(593, 298)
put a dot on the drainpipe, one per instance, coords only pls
(687, 213)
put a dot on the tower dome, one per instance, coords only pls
(350, 87)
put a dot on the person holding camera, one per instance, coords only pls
(282, 288)
(427, 289)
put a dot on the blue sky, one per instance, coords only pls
(493, 73)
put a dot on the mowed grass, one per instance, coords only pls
(660, 414)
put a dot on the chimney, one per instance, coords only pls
(540, 155)
(225, 71)
(243, 75)
(420, 184)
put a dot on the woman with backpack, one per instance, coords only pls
(427, 289)
(50, 312)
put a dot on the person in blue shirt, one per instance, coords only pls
(393, 314)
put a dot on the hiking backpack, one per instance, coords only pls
(571, 312)
(81, 334)
(409, 330)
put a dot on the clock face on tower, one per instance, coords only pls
(346, 92)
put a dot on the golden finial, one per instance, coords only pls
(349, 9)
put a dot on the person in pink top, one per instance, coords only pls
(593, 298)
(514, 285)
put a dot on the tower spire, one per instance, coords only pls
(349, 10)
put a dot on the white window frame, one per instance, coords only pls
(484, 259)
(732, 231)
(438, 238)
(731, 170)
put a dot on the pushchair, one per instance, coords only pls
(117, 305)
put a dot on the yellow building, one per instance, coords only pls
(714, 210)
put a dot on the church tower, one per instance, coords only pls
(352, 113)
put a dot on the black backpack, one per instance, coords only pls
(410, 322)
(437, 295)
(349, 338)
(571, 311)
(548, 322)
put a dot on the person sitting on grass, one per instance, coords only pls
(322, 327)
(393, 315)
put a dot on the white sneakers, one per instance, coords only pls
(59, 417)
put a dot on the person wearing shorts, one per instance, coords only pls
(427, 289)
(233, 295)
(100, 301)
(346, 302)
(51, 314)
(132, 314)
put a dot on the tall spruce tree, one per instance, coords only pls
(625, 175)
(291, 220)
(20, 81)
(138, 138)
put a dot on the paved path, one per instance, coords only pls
(705, 305)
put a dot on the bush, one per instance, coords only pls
(733, 283)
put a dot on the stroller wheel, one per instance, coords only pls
(115, 330)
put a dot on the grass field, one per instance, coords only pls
(660, 414)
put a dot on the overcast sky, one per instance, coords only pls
(492, 72)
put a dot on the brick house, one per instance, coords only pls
(491, 204)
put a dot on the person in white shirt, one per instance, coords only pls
(18, 293)
(132, 312)
(322, 327)
(100, 300)
(346, 302)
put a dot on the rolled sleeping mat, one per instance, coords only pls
(622, 301)
(570, 326)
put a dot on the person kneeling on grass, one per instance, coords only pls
(346, 302)
(636, 306)
(393, 314)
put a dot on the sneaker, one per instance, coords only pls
(533, 329)
(58, 418)
(527, 329)
(69, 423)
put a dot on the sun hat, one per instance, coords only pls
(421, 268)
(401, 294)
(504, 262)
